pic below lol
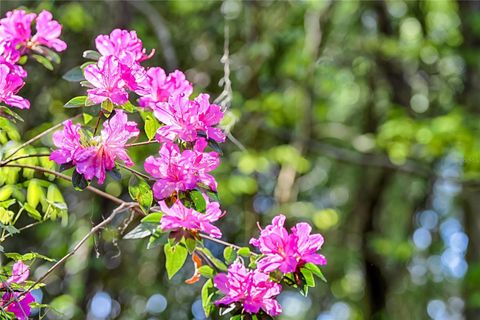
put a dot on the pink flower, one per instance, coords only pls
(68, 143)
(93, 161)
(181, 171)
(179, 217)
(158, 87)
(287, 252)
(48, 32)
(93, 157)
(10, 84)
(16, 29)
(184, 119)
(20, 305)
(124, 45)
(16, 26)
(252, 288)
(106, 77)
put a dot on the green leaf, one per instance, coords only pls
(315, 270)
(198, 200)
(308, 277)
(34, 193)
(129, 107)
(74, 75)
(107, 107)
(207, 296)
(27, 256)
(9, 114)
(43, 61)
(76, 102)
(48, 54)
(244, 252)
(32, 212)
(175, 258)
(157, 238)
(151, 126)
(140, 191)
(154, 217)
(218, 263)
(91, 54)
(87, 118)
(229, 254)
(191, 244)
(206, 271)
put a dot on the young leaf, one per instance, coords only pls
(143, 230)
(151, 126)
(206, 271)
(107, 107)
(43, 61)
(154, 217)
(175, 258)
(207, 296)
(315, 270)
(140, 191)
(32, 212)
(128, 106)
(76, 102)
(34, 193)
(229, 254)
(157, 238)
(244, 251)
(198, 200)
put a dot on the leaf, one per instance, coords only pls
(27, 256)
(207, 296)
(154, 217)
(244, 252)
(7, 203)
(107, 107)
(66, 166)
(32, 212)
(206, 271)
(43, 61)
(175, 258)
(74, 75)
(129, 107)
(198, 200)
(157, 238)
(10, 229)
(229, 254)
(78, 180)
(77, 102)
(87, 118)
(140, 191)
(315, 270)
(308, 277)
(218, 263)
(48, 54)
(151, 126)
(9, 114)
(143, 230)
(91, 54)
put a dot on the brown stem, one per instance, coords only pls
(143, 143)
(135, 172)
(225, 243)
(3, 163)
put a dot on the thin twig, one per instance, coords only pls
(124, 206)
(38, 136)
(144, 176)
(225, 243)
(143, 143)
(36, 155)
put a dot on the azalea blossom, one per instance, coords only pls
(184, 119)
(10, 84)
(48, 32)
(16, 29)
(19, 304)
(181, 171)
(92, 157)
(253, 289)
(106, 77)
(68, 143)
(179, 217)
(158, 87)
(124, 45)
(287, 252)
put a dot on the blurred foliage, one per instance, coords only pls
(358, 117)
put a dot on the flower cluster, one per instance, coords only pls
(94, 156)
(252, 289)
(19, 304)
(287, 252)
(16, 40)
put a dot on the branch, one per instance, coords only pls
(123, 207)
(3, 163)
(225, 243)
(143, 143)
